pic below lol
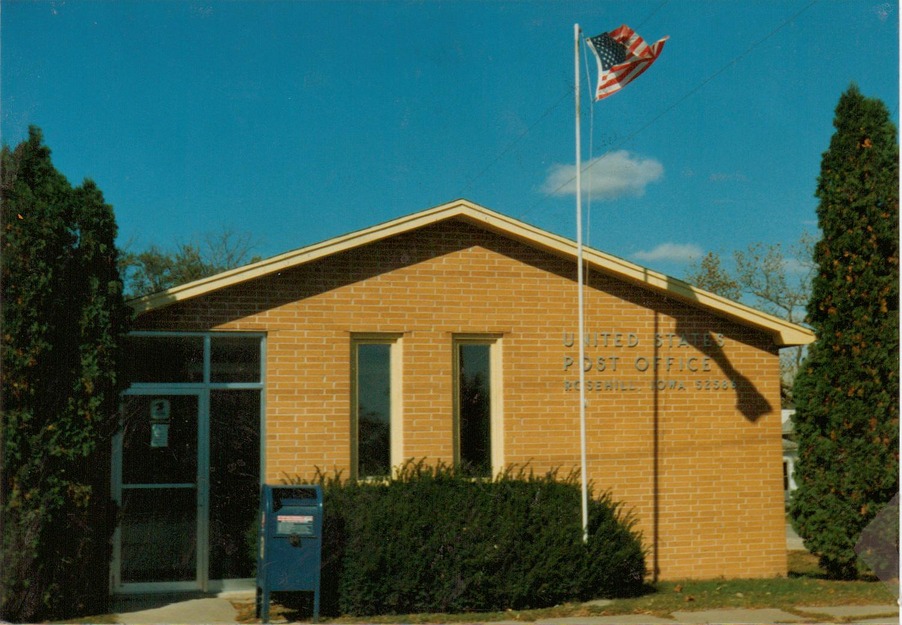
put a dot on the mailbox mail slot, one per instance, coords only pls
(291, 529)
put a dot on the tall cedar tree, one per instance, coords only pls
(63, 317)
(847, 393)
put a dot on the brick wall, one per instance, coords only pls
(692, 446)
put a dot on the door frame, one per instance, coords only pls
(201, 580)
(202, 389)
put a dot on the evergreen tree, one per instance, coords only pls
(63, 318)
(847, 418)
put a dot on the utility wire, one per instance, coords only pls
(513, 143)
(547, 112)
(652, 14)
(685, 97)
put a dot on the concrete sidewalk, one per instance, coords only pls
(888, 614)
(213, 610)
(220, 611)
(793, 541)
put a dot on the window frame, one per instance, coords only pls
(207, 337)
(395, 423)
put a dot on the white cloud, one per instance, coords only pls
(671, 252)
(608, 177)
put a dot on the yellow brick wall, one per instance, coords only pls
(700, 466)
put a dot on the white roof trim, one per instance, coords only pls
(784, 333)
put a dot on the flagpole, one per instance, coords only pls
(579, 290)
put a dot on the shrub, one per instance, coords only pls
(434, 540)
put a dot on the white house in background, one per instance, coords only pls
(790, 454)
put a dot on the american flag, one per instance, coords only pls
(621, 55)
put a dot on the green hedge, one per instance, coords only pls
(434, 540)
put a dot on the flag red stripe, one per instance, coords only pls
(639, 57)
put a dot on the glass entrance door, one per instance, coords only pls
(161, 498)
(187, 462)
(187, 479)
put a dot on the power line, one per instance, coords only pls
(652, 14)
(513, 143)
(547, 112)
(676, 103)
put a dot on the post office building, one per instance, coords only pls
(450, 335)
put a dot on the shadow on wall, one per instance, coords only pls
(749, 400)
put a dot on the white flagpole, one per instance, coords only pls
(579, 288)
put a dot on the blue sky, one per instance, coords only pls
(299, 121)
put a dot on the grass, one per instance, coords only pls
(806, 585)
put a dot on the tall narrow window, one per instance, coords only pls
(375, 424)
(478, 436)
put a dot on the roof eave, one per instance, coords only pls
(784, 333)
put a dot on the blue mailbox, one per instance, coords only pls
(291, 539)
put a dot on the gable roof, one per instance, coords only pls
(784, 333)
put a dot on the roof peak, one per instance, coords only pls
(783, 332)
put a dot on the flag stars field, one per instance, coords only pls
(622, 56)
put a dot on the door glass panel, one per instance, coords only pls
(234, 482)
(159, 439)
(165, 358)
(159, 488)
(159, 535)
(234, 359)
